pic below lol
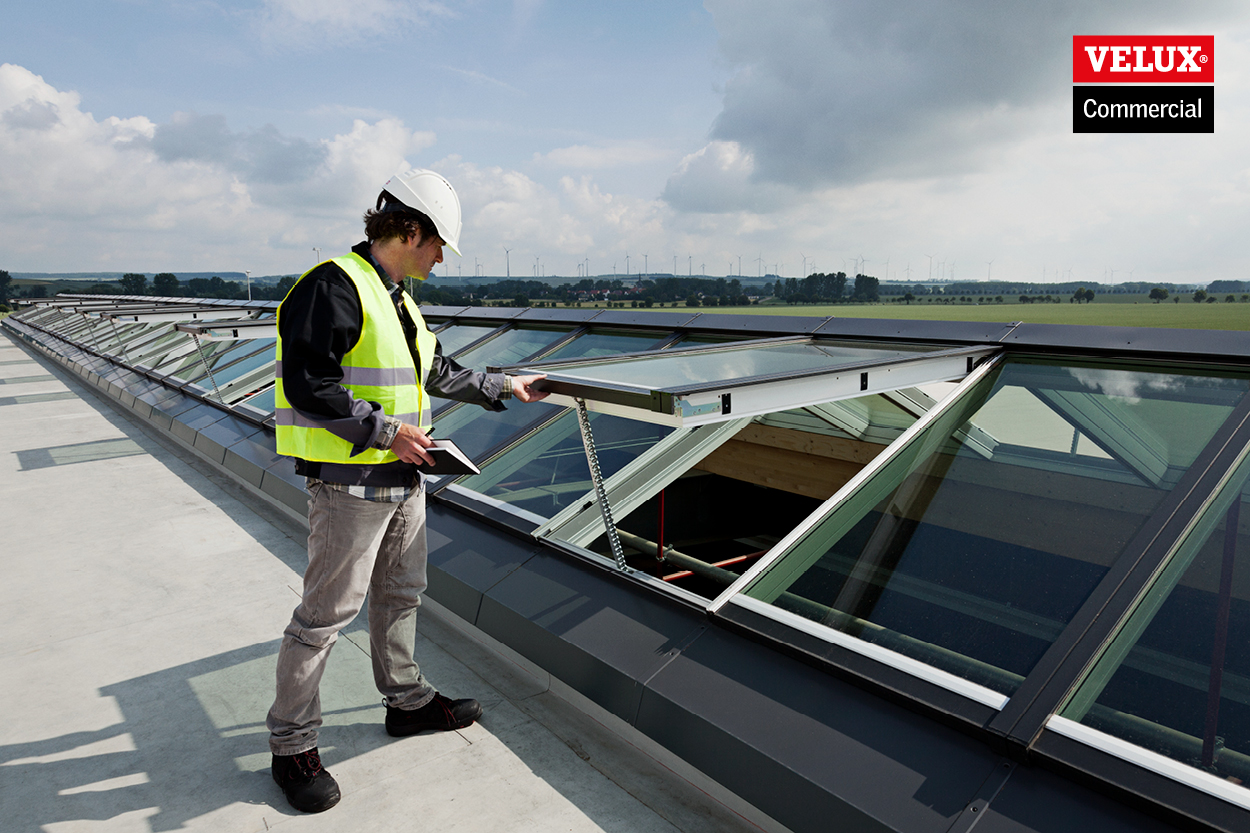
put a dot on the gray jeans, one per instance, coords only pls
(354, 546)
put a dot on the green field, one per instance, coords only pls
(1108, 313)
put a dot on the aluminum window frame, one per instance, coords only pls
(1019, 719)
(688, 405)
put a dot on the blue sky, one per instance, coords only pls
(200, 135)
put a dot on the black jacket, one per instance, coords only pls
(320, 321)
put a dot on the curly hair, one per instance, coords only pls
(396, 220)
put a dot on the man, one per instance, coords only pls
(356, 365)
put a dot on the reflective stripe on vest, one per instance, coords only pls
(378, 368)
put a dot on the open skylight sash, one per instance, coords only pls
(701, 402)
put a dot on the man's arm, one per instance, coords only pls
(451, 380)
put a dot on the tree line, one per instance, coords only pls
(647, 293)
(167, 285)
(826, 288)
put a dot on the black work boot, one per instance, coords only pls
(308, 787)
(440, 714)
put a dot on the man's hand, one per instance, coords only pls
(522, 388)
(410, 444)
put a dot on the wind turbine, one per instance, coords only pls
(989, 265)
(507, 254)
(930, 266)
(804, 264)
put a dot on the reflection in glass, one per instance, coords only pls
(76, 327)
(458, 336)
(188, 364)
(1176, 677)
(478, 431)
(151, 334)
(246, 356)
(160, 349)
(511, 347)
(663, 371)
(591, 345)
(975, 544)
(263, 401)
(548, 470)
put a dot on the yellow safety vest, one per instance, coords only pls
(379, 368)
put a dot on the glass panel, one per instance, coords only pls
(663, 371)
(478, 431)
(1176, 678)
(511, 347)
(267, 355)
(75, 327)
(591, 345)
(548, 470)
(870, 418)
(159, 348)
(145, 337)
(708, 338)
(263, 401)
(975, 545)
(40, 316)
(187, 364)
(124, 333)
(458, 336)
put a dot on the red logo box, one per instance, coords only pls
(1127, 59)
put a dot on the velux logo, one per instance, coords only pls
(1137, 60)
(1139, 82)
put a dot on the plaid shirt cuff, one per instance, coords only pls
(506, 391)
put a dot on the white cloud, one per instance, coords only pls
(553, 229)
(80, 193)
(720, 178)
(855, 129)
(838, 93)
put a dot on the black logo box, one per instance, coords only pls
(1164, 108)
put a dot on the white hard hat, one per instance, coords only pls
(432, 195)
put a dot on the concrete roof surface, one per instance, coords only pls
(144, 596)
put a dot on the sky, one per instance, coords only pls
(906, 139)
